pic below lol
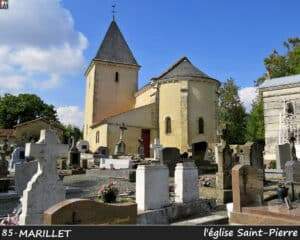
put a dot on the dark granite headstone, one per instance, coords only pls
(74, 156)
(170, 157)
(257, 155)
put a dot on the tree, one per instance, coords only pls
(255, 124)
(283, 65)
(276, 66)
(22, 108)
(232, 113)
(71, 131)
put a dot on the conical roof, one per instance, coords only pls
(183, 68)
(114, 47)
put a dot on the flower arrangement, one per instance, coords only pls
(108, 193)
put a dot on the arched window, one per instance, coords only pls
(201, 125)
(97, 137)
(168, 125)
(117, 77)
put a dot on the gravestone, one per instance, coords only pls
(102, 152)
(245, 152)
(224, 159)
(4, 181)
(17, 157)
(283, 155)
(83, 146)
(186, 183)
(157, 150)
(44, 189)
(247, 186)
(74, 156)
(109, 163)
(84, 164)
(87, 212)
(170, 157)
(292, 171)
(152, 187)
(141, 149)
(120, 148)
(257, 155)
(23, 174)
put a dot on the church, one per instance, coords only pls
(179, 107)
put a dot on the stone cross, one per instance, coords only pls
(44, 189)
(157, 150)
(123, 128)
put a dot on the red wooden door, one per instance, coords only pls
(146, 140)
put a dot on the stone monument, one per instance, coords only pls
(17, 157)
(141, 149)
(74, 155)
(247, 185)
(157, 150)
(120, 148)
(44, 189)
(223, 177)
(4, 181)
(186, 182)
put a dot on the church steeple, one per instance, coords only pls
(114, 47)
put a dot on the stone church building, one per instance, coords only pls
(178, 106)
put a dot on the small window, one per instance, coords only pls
(117, 77)
(201, 125)
(168, 125)
(97, 137)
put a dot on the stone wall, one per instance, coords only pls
(273, 106)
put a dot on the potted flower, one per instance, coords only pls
(108, 193)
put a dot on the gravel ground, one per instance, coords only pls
(89, 184)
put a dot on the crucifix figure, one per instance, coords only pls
(157, 149)
(44, 189)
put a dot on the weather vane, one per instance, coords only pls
(114, 10)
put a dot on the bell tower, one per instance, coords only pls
(111, 79)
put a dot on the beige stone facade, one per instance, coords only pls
(178, 107)
(277, 93)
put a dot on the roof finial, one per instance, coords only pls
(114, 10)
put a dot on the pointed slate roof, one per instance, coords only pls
(114, 47)
(183, 68)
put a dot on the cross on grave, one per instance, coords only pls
(157, 149)
(123, 128)
(44, 189)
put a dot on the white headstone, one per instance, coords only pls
(157, 148)
(152, 187)
(186, 182)
(83, 146)
(108, 163)
(23, 174)
(44, 189)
